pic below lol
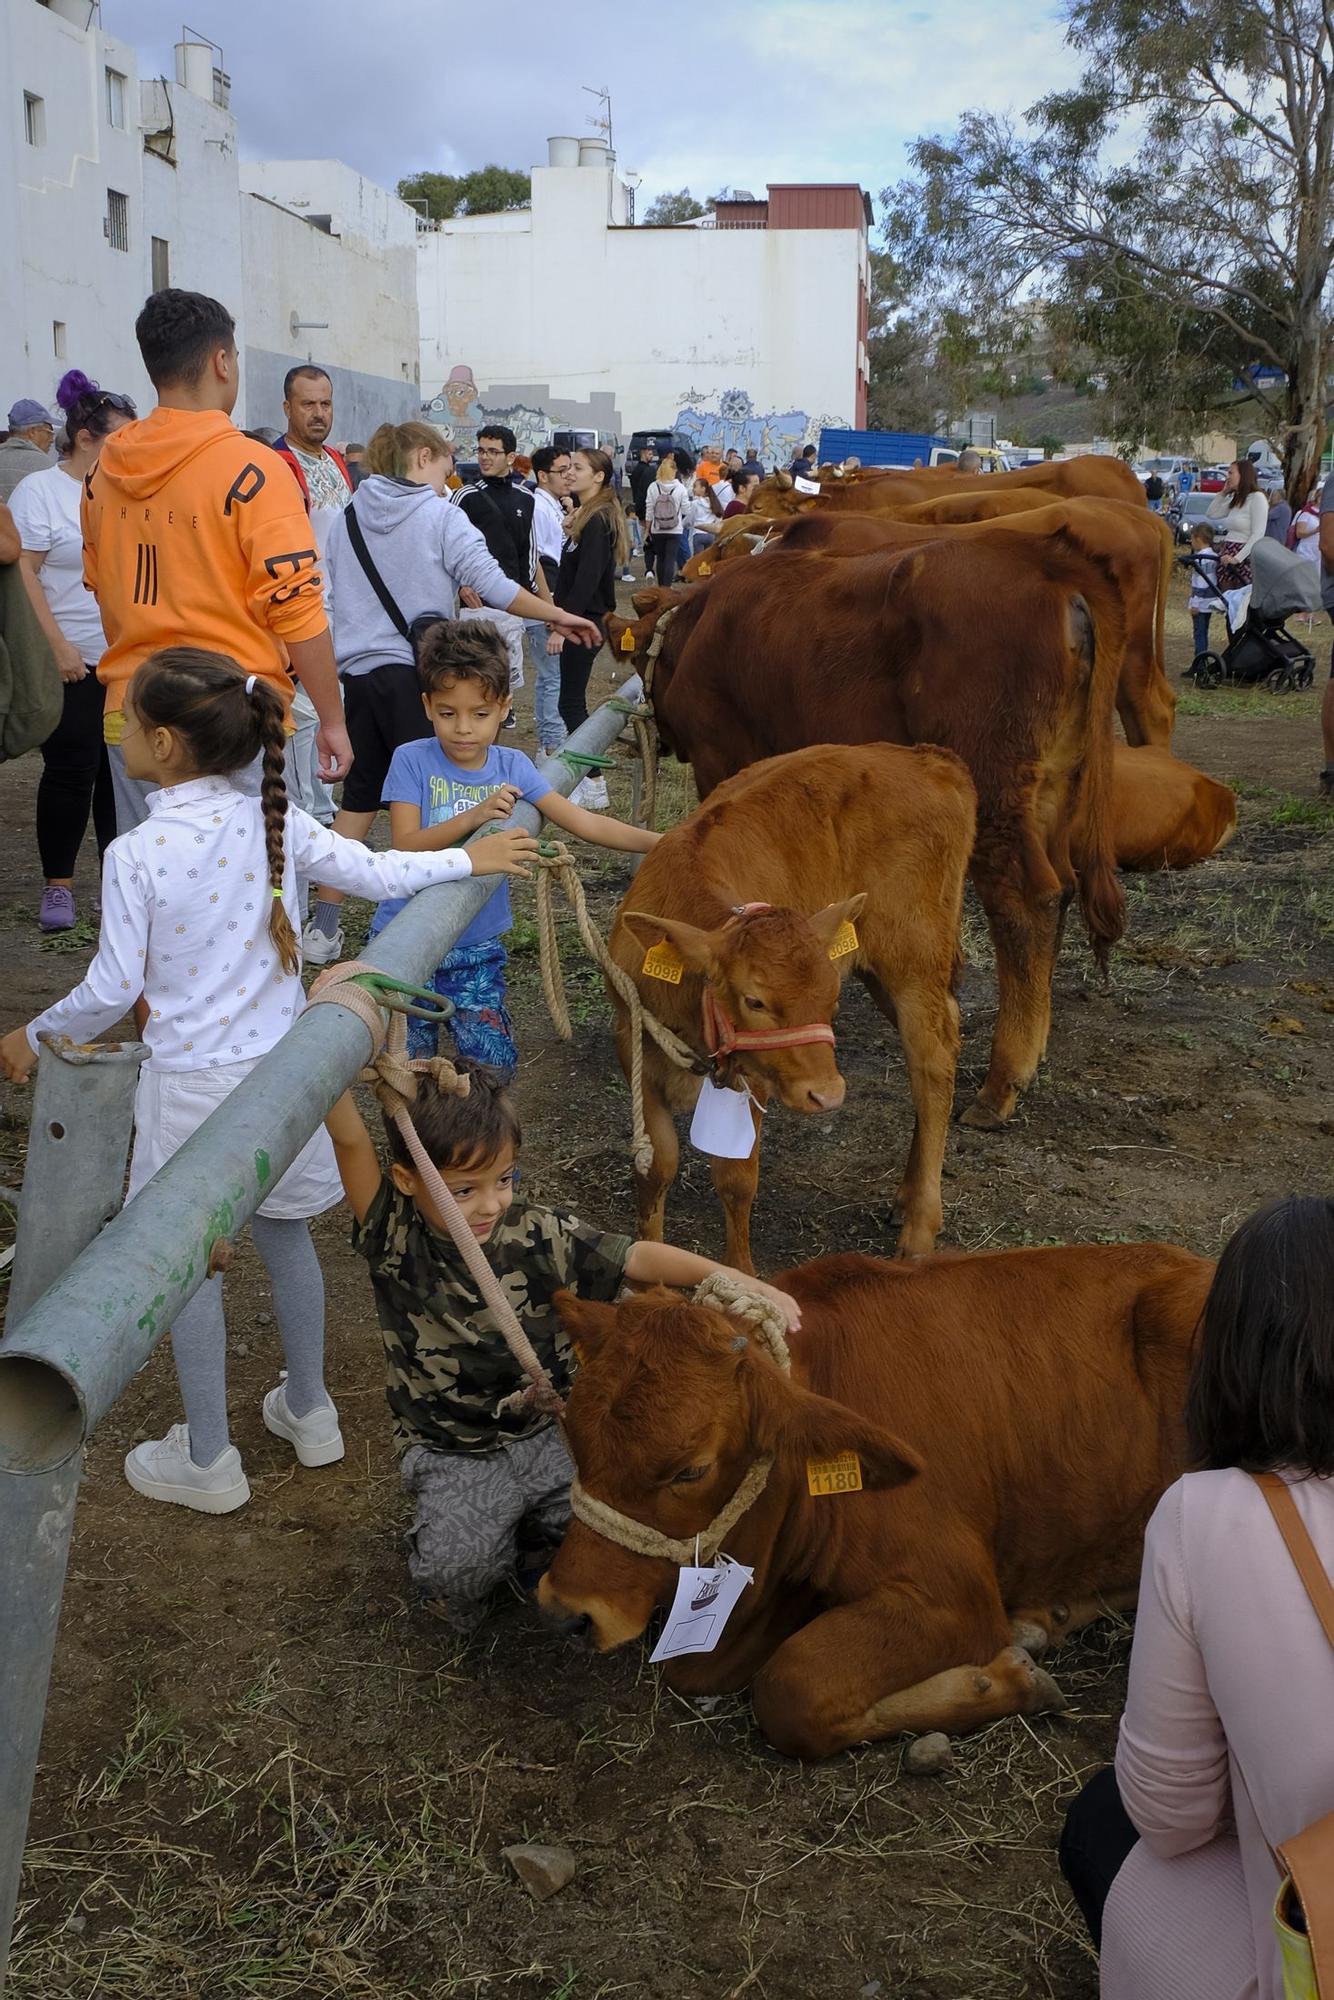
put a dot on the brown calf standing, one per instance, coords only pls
(873, 835)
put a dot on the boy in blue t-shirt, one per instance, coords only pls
(442, 788)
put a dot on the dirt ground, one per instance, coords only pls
(267, 1772)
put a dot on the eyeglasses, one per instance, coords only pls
(490, 451)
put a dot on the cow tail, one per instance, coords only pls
(1102, 899)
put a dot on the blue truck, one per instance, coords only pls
(901, 448)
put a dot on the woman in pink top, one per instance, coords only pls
(1227, 1741)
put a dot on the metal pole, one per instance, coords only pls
(78, 1143)
(67, 1358)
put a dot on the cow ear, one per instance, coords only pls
(615, 629)
(795, 1423)
(828, 923)
(587, 1323)
(698, 948)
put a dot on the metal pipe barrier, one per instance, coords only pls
(71, 1351)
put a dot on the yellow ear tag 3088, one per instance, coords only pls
(663, 961)
(842, 1474)
(845, 940)
(628, 639)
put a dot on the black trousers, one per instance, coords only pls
(666, 555)
(576, 664)
(75, 780)
(1097, 1836)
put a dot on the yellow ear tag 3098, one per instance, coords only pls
(628, 640)
(834, 1475)
(663, 961)
(845, 940)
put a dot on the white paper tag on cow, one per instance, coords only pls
(805, 485)
(722, 1124)
(705, 1600)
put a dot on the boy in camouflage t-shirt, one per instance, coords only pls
(478, 1475)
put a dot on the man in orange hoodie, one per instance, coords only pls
(194, 536)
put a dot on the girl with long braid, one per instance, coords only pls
(196, 907)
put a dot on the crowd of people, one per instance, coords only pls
(242, 622)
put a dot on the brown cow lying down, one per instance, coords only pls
(877, 835)
(1006, 651)
(889, 486)
(1166, 814)
(1016, 1415)
(1139, 542)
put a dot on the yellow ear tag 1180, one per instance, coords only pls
(834, 1475)
(845, 940)
(663, 961)
(628, 639)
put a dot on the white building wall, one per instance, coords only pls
(364, 294)
(551, 315)
(262, 262)
(53, 234)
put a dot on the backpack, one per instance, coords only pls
(32, 694)
(664, 517)
(1304, 1909)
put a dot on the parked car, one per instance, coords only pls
(1189, 511)
(658, 442)
(1170, 471)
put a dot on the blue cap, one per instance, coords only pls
(26, 414)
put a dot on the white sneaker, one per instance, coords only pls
(595, 795)
(318, 948)
(162, 1469)
(579, 796)
(315, 1438)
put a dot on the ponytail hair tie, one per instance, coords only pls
(277, 895)
(250, 683)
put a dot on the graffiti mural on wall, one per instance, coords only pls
(528, 408)
(715, 421)
(728, 421)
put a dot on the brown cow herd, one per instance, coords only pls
(909, 680)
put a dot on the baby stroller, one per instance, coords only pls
(1262, 649)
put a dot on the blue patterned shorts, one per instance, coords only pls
(473, 977)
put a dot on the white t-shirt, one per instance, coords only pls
(548, 524)
(45, 507)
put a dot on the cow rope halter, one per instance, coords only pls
(724, 1294)
(722, 1039)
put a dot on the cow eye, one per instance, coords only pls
(688, 1475)
(756, 1006)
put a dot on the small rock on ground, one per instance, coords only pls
(542, 1870)
(929, 1755)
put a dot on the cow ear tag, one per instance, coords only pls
(844, 940)
(628, 640)
(706, 569)
(663, 961)
(722, 1124)
(705, 1600)
(841, 1474)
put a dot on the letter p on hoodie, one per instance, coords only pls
(195, 535)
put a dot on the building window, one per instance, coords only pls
(34, 119)
(58, 338)
(115, 100)
(117, 224)
(161, 257)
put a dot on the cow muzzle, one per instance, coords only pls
(593, 1621)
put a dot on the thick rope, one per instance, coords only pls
(394, 1078)
(556, 869)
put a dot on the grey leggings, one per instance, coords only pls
(199, 1336)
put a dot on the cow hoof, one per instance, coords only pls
(1047, 1697)
(1034, 1638)
(981, 1117)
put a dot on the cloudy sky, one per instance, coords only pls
(703, 95)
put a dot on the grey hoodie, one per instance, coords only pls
(424, 550)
